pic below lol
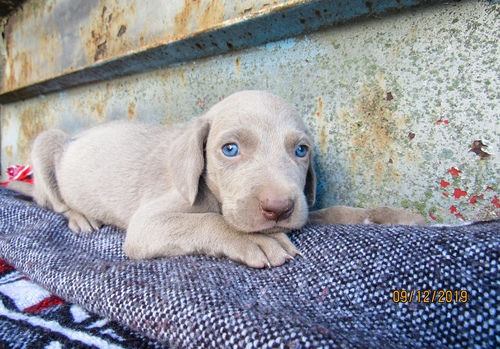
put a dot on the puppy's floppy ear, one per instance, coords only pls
(310, 187)
(186, 158)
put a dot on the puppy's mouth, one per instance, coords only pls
(267, 226)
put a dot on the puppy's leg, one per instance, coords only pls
(352, 215)
(154, 232)
(21, 187)
(46, 154)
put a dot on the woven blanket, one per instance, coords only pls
(356, 287)
(31, 318)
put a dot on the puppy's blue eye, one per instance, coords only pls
(301, 151)
(230, 150)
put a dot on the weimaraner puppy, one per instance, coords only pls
(230, 183)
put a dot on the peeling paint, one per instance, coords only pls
(477, 148)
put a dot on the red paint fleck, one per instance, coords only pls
(458, 193)
(432, 216)
(454, 211)
(495, 202)
(200, 101)
(444, 183)
(488, 188)
(454, 172)
(318, 113)
(445, 195)
(446, 122)
(475, 198)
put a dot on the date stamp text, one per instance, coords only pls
(430, 296)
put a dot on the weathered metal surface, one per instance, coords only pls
(56, 44)
(404, 110)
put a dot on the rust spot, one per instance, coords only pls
(477, 148)
(199, 15)
(33, 121)
(238, 65)
(122, 30)
(100, 52)
(21, 70)
(323, 126)
(320, 107)
(131, 111)
(99, 108)
(103, 29)
(182, 74)
(389, 96)
(374, 130)
(9, 152)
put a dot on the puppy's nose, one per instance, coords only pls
(275, 209)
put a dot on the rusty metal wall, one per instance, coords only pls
(404, 108)
(56, 44)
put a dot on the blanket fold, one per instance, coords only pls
(357, 286)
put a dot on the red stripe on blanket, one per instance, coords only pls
(47, 303)
(4, 267)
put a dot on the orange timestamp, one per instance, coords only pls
(430, 296)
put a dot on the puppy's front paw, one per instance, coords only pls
(389, 216)
(79, 223)
(258, 250)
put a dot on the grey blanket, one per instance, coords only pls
(356, 287)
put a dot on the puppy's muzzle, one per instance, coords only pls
(276, 209)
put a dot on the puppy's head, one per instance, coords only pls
(257, 161)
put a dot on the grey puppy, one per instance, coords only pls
(230, 183)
